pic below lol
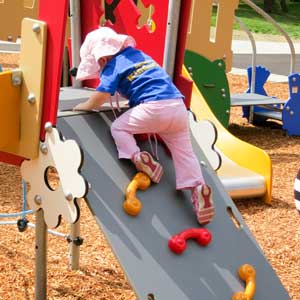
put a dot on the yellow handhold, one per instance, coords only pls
(132, 204)
(247, 273)
(10, 99)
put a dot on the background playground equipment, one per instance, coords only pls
(200, 56)
(210, 78)
(141, 242)
(286, 111)
(258, 105)
(237, 172)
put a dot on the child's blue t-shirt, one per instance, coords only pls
(137, 77)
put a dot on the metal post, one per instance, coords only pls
(65, 76)
(74, 247)
(278, 27)
(253, 76)
(40, 256)
(75, 36)
(76, 43)
(171, 36)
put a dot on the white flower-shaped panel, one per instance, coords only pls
(205, 133)
(66, 158)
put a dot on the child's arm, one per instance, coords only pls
(94, 102)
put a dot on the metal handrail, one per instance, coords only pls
(254, 52)
(76, 36)
(284, 33)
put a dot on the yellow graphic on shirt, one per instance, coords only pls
(141, 68)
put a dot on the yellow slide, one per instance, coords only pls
(246, 171)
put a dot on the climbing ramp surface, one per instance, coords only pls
(141, 243)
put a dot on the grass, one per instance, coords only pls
(289, 21)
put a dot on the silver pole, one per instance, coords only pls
(40, 256)
(74, 250)
(254, 52)
(279, 28)
(171, 36)
(74, 247)
(75, 36)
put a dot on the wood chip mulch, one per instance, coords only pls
(276, 227)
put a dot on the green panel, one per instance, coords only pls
(211, 80)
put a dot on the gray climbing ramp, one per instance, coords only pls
(141, 243)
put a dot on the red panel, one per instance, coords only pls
(91, 12)
(152, 43)
(54, 13)
(127, 16)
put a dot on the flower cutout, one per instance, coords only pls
(205, 134)
(66, 158)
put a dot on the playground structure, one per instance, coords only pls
(19, 9)
(129, 236)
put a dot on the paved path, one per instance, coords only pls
(273, 55)
(276, 56)
(9, 47)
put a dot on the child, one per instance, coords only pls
(156, 106)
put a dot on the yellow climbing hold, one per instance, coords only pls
(247, 273)
(132, 205)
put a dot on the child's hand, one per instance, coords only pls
(80, 106)
(94, 102)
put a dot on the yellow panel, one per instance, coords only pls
(242, 153)
(200, 27)
(29, 3)
(32, 64)
(10, 95)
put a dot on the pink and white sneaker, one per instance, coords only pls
(203, 203)
(144, 162)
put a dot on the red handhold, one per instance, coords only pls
(177, 243)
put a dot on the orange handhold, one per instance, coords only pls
(247, 273)
(132, 204)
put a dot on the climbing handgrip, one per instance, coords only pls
(247, 273)
(132, 204)
(177, 243)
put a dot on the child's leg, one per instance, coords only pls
(187, 168)
(189, 175)
(134, 121)
(123, 136)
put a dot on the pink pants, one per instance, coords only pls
(169, 119)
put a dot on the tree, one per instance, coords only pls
(269, 5)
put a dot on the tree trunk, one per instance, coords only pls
(268, 5)
(284, 6)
